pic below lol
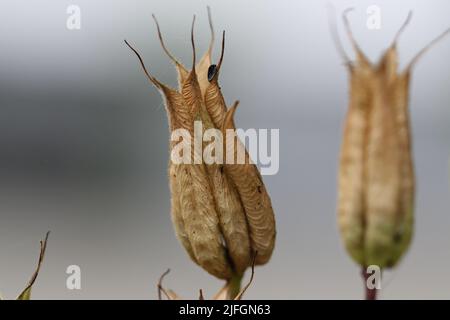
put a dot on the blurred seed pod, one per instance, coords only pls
(376, 172)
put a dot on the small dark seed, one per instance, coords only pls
(212, 71)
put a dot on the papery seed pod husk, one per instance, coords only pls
(209, 210)
(198, 229)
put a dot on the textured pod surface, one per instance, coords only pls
(229, 208)
(254, 196)
(245, 177)
(230, 211)
(221, 216)
(202, 223)
(177, 175)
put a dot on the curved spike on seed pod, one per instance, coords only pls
(170, 295)
(222, 51)
(190, 88)
(332, 25)
(425, 49)
(361, 57)
(213, 71)
(204, 64)
(177, 112)
(389, 61)
(211, 29)
(26, 293)
(159, 284)
(152, 79)
(402, 29)
(214, 101)
(254, 196)
(193, 45)
(181, 69)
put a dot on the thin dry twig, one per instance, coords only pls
(26, 291)
(160, 287)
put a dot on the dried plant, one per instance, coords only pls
(221, 213)
(223, 294)
(26, 293)
(376, 172)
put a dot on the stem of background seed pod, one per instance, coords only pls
(234, 286)
(371, 294)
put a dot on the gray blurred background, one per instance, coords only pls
(84, 143)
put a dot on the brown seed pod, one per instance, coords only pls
(192, 196)
(209, 210)
(376, 175)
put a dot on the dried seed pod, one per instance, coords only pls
(376, 175)
(209, 210)
(192, 198)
